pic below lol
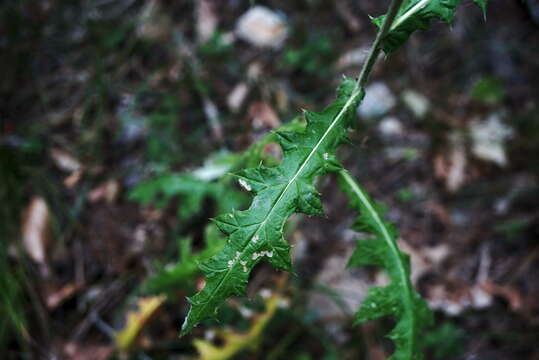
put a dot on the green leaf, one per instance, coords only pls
(182, 275)
(191, 190)
(256, 234)
(482, 4)
(488, 90)
(415, 15)
(398, 299)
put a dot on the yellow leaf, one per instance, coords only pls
(235, 342)
(136, 320)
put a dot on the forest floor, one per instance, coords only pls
(112, 111)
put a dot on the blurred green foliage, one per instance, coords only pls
(488, 90)
(183, 274)
(512, 228)
(12, 304)
(164, 143)
(192, 188)
(445, 341)
(314, 57)
(406, 195)
(216, 46)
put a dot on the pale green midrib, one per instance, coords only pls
(351, 100)
(408, 298)
(414, 9)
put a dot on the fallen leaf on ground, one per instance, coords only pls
(136, 320)
(237, 96)
(206, 20)
(107, 191)
(234, 342)
(64, 160)
(74, 351)
(450, 167)
(36, 231)
(56, 296)
(263, 115)
(509, 293)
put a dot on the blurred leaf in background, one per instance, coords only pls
(488, 90)
(192, 188)
(314, 57)
(445, 341)
(183, 274)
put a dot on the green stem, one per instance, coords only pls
(411, 12)
(375, 48)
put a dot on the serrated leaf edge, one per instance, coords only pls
(352, 99)
(408, 296)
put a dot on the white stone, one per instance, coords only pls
(489, 137)
(245, 312)
(353, 57)
(390, 126)
(377, 102)
(262, 27)
(418, 104)
(265, 293)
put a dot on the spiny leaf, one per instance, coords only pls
(415, 15)
(208, 181)
(398, 299)
(256, 234)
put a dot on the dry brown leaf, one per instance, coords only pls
(73, 179)
(451, 167)
(237, 96)
(64, 160)
(509, 293)
(206, 20)
(56, 297)
(107, 191)
(74, 351)
(453, 301)
(153, 24)
(457, 157)
(425, 259)
(263, 115)
(36, 230)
